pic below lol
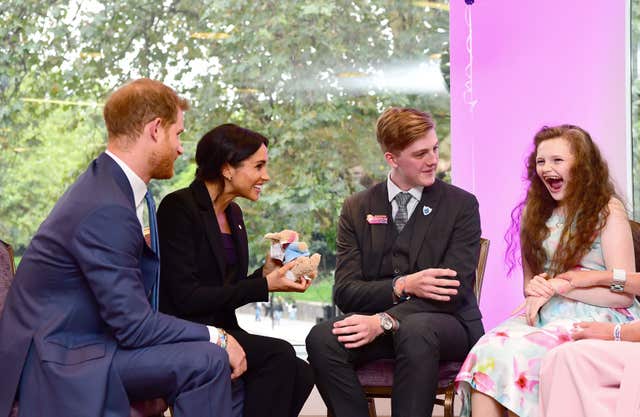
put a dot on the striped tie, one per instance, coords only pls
(402, 216)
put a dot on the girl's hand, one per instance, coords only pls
(539, 286)
(533, 304)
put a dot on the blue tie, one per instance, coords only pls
(155, 246)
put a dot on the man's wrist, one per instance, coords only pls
(218, 336)
(399, 288)
(387, 323)
(222, 339)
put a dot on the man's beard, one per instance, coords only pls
(162, 166)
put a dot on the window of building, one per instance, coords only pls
(312, 76)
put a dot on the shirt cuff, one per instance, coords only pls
(214, 334)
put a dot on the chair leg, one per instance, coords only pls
(449, 395)
(372, 407)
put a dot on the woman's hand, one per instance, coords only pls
(592, 330)
(237, 357)
(270, 265)
(539, 286)
(277, 281)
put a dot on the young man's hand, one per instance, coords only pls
(432, 283)
(357, 330)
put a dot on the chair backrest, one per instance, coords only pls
(635, 233)
(482, 263)
(7, 271)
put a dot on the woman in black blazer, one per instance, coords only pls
(204, 263)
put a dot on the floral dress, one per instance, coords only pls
(505, 363)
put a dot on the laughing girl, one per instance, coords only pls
(570, 219)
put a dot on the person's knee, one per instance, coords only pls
(416, 340)
(206, 361)
(560, 354)
(319, 340)
(305, 375)
(283, 348)
(282, 356)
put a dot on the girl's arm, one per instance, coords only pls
(617, 249)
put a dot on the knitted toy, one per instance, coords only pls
(286, 248)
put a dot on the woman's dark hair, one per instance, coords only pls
(225, 144)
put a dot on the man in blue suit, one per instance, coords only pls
(78, 336)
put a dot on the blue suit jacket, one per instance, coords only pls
(79, 294)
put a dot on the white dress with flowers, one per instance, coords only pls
(505, 363)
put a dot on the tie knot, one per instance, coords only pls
(403, 199)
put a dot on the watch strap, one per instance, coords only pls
(618, 281)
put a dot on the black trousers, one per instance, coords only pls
(277, 382)
(423, 340)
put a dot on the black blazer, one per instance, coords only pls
(193, 266)
(449, 237)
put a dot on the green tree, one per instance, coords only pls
(311, 75)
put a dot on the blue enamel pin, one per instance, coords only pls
(426, 210)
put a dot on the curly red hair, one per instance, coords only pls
(584, 219)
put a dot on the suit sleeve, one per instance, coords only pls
(461, 255)
(352, 293)
(178, 224)
(107, 245)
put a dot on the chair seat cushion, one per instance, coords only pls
(379, 373)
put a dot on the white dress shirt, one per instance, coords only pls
(138, 186)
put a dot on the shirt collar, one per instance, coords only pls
(138, 186)
(393, 190)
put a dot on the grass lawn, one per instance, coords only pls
(320, 290)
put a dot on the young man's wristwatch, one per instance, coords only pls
(619, 279)
(387, 323)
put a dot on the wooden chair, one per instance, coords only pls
(7, 271)
(635, 233)
(148, 408)
(376, 377)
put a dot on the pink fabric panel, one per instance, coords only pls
(591, 378)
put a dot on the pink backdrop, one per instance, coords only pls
(516, 66)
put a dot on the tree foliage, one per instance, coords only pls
(312, 76)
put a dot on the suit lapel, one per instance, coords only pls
(424, 214)
(118, 176)
(378, 205)
(211, 227)
(149, 261)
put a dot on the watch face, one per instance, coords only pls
(386, 323)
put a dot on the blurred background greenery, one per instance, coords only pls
(312, 76)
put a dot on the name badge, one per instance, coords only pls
(377, 219)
